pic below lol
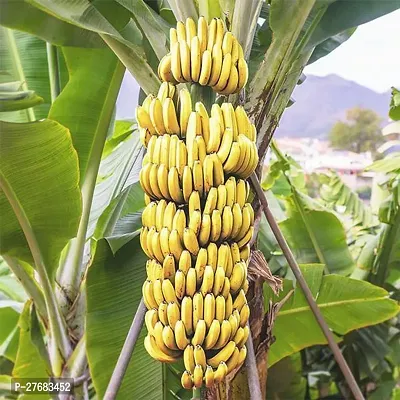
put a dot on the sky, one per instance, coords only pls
(371, 57)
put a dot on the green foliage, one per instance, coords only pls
(360, 133)
(394, 112)
(13, 99)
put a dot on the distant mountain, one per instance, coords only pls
(321, 101)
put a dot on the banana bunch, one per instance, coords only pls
(206, 54)
(198, 223)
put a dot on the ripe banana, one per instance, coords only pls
(187, 314)
(200, 333)
(191, 281)
(214, 330)
(222, 355)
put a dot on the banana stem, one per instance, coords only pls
(197, 394)
(204, 94)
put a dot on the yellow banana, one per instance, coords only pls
(154, 351)
(148, 295)
(180, 284)
(198, 376)
(240, 300)
(165, 68)
(224, 74)
(206, 65)
(237, 220)
(217, 113)
(221, 197)
(187, 183)
(209, 377)
(214, 141)
(173, 314)
(162, 179)
(185, 60)
(212, 255)
(187, 314)
(185, 101)
(182, 157)
(195, 59)
(186, 380)
(181, 30)
(209, 308)
(201, 148)
(170, 118)
(227, 223)
(191, 281)
(239, 335)
(220, 308)
(176, 67)
(227, 43)
(216, 226)
(205, 230)
(212, 31)
(194, 202)
(211, 202)
(232, 363)
(216, 66)
(244, 315)
(175, 244)
(156, 116)
(234, 325)
(241, 192)
(155, 156)
(242, 355)
(204, 118)
(243, 73)
(144, 121)
(144, 178)
(158, 293)
(198, 182)
(230, 119)
(173, 150)
(198, 309)
(169, 214)
(149, 241)
(145, 136)
(231, 162)
(233, 81)
(229, 265)
(228, 303)
(195, 221)
(222, 259)
(143, 240)
(154, 181)
(173, 36)
(246, 333)
(208, 173)
(242, 122)
(235, 51)
(168, 267)
(185, 261)
(188, 358)
(150, 319)
(226, 145)
(202, 28)
(246, 238)
(201, 261)
(212, 335)
(221, 372)
(237, 277)
(149, 215)
(158, 335)
(194, 126)
(218, 281)
(168, 291)
(163, 92)
(180, 335)
(169, 337)
(158, 217)
(224, 336)
(190, 241)
(179, 222)
(245, 252)
(226, 289)
(230, 185)
(200, 332)
(147, 199)
(223, 354)
(173, 186)
(200, 356)
(219, 35)
(190, 30)
(246, 222)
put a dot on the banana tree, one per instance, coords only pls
(70, 200)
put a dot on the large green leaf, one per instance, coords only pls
(86, 104)
(12, 98)
(345, 303)
(22, 16)
(113, 294)
(40, 183)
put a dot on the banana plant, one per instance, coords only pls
(70, 201)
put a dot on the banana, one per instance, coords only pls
(180, 335)
(208, 173)
(144, 120)
(148, 295)
(244, 315)
(195, 59)
(232, 363)
(159, 213)
(181, 30)
(198, 183)
(205, 230)
(220, 308)
(237, 220)
(229, 265)
(200, 333)
(151, 146)
(218, 281)
(194, 202)
(158, 293)
(211, 202)
(246, 238)
(226, 289)
(232, 161)
(143, 240)
(224, 336)
(214, 141)
(219, 36)
(243, 73)
(212, 336)
(200, 356)
(147, 199)
(150, 319)
(191, 281)
(187, 314)
(149, 241)
(223, 252)
(145, 136)
(198, 309)
(156, 116)
(212, 31)
(201, 261)
(169, 338)
(228, 303)
(173, 150)
(233, 81)
(212, 255)
(173, 186)
(154, 181)
(246, 333)
(223, 354)
(198, 376)
(206, 65)
(185, 101)
(169, 214)
(185, 60)
(221, 372)
(168, 268)
(182, 157)
(202, 28)
(173, 314)
(188, 358)
(245, 156)
(224, 74)
(195, 221)
(173, 36)
(170, 118)
(168, 291)
(154, 351)
(209, 309)
(246, 223)
(179, 222)
(230, 185)
(209, 377)
(190, 241)
(226, 145)
(221, 197)
(155, 156)
(194, 126)
(242, 355)
(163, 92)
(234, 325)
(186, 380)
(253, 135)
(180, 284)
(239, 335)
(237, 277)
(175, 244)
(252, 162)
(162, 179)
(165, 68)
(187, 183)
(190, 30)
(230, 119)
(227, 43)
(149, 215)
(185, 261)
(227, 223)
(158, 335)
(201, 148)
(240, 300)
(147, 101)
(144, 178)
(216, 66)
(216, 226)
(217, 113)
(204, 118)
(241, 192)
(235, 51)
(245, 252)
(242, 122)
(208, 280)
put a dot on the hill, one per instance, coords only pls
(321, 101)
